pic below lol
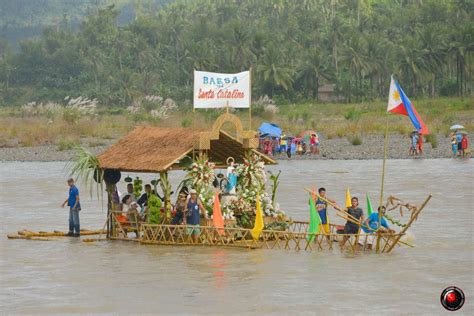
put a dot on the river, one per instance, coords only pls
(69, 276)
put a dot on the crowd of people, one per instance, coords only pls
(416, 144)
(187, 210)
(308, 144)
(459, 144)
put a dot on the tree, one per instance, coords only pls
(314, 66)
(274, 72)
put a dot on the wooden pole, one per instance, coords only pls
(193, 128)
(250, 99)
(337, 208)
(348, 216)
(412, 219)
(385, 145)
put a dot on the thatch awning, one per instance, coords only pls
(156, 149)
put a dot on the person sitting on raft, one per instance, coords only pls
(131, 205)
(131, 216)
(129, 192)
(179, 209)
(371, 226)
(352, 228)
(143, 200)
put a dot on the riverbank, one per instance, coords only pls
(335, 148)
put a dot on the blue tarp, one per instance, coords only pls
(270, 129)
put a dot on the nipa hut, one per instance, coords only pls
(158, 150)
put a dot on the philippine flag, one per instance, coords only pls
(399, 103)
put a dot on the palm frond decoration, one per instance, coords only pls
(85, 167)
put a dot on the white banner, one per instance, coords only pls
(214, 90)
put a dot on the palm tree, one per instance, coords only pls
(274, 71)
(411, 63)
(314, 66)
(356, 59)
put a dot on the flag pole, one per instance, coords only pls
(385, 146)
(194, 110)
(250, 99)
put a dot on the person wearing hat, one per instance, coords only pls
(73, 201)
(193, 211)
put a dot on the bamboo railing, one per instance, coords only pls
(295, 238)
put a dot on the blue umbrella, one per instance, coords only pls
(270, 129)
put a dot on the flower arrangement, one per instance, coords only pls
(250, 186)
(202, 174)
(251, 174)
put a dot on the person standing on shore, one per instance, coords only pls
(73, 201)
(419, 145)
(459, 140)
(454, 145)
(414, 143)
(283, 144)
(464, 144)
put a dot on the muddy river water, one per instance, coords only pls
(69, 276)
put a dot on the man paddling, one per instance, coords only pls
(352, 228)
(73, 201)
(321, 207)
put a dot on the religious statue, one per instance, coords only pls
(231, 176)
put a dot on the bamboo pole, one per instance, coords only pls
(337, 208)
(28, 233)
(412, 219)
(350, 218)
(385, 145)
(250, 99)
(42, 238)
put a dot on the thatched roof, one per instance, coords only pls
(155, 149)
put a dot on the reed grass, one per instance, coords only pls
(330, 120)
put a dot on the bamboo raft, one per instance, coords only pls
(295, 237)
(49, 236)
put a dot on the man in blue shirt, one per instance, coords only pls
(73, 201)
(322, 207)
(459, 141)
(371, 226)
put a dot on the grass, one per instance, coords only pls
(432, 139)
(355, 140)
(66, 144)
(330, 119)
(341, 120)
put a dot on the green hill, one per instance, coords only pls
(22, 19)
(293, 47)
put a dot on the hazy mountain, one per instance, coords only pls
(22, 19)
